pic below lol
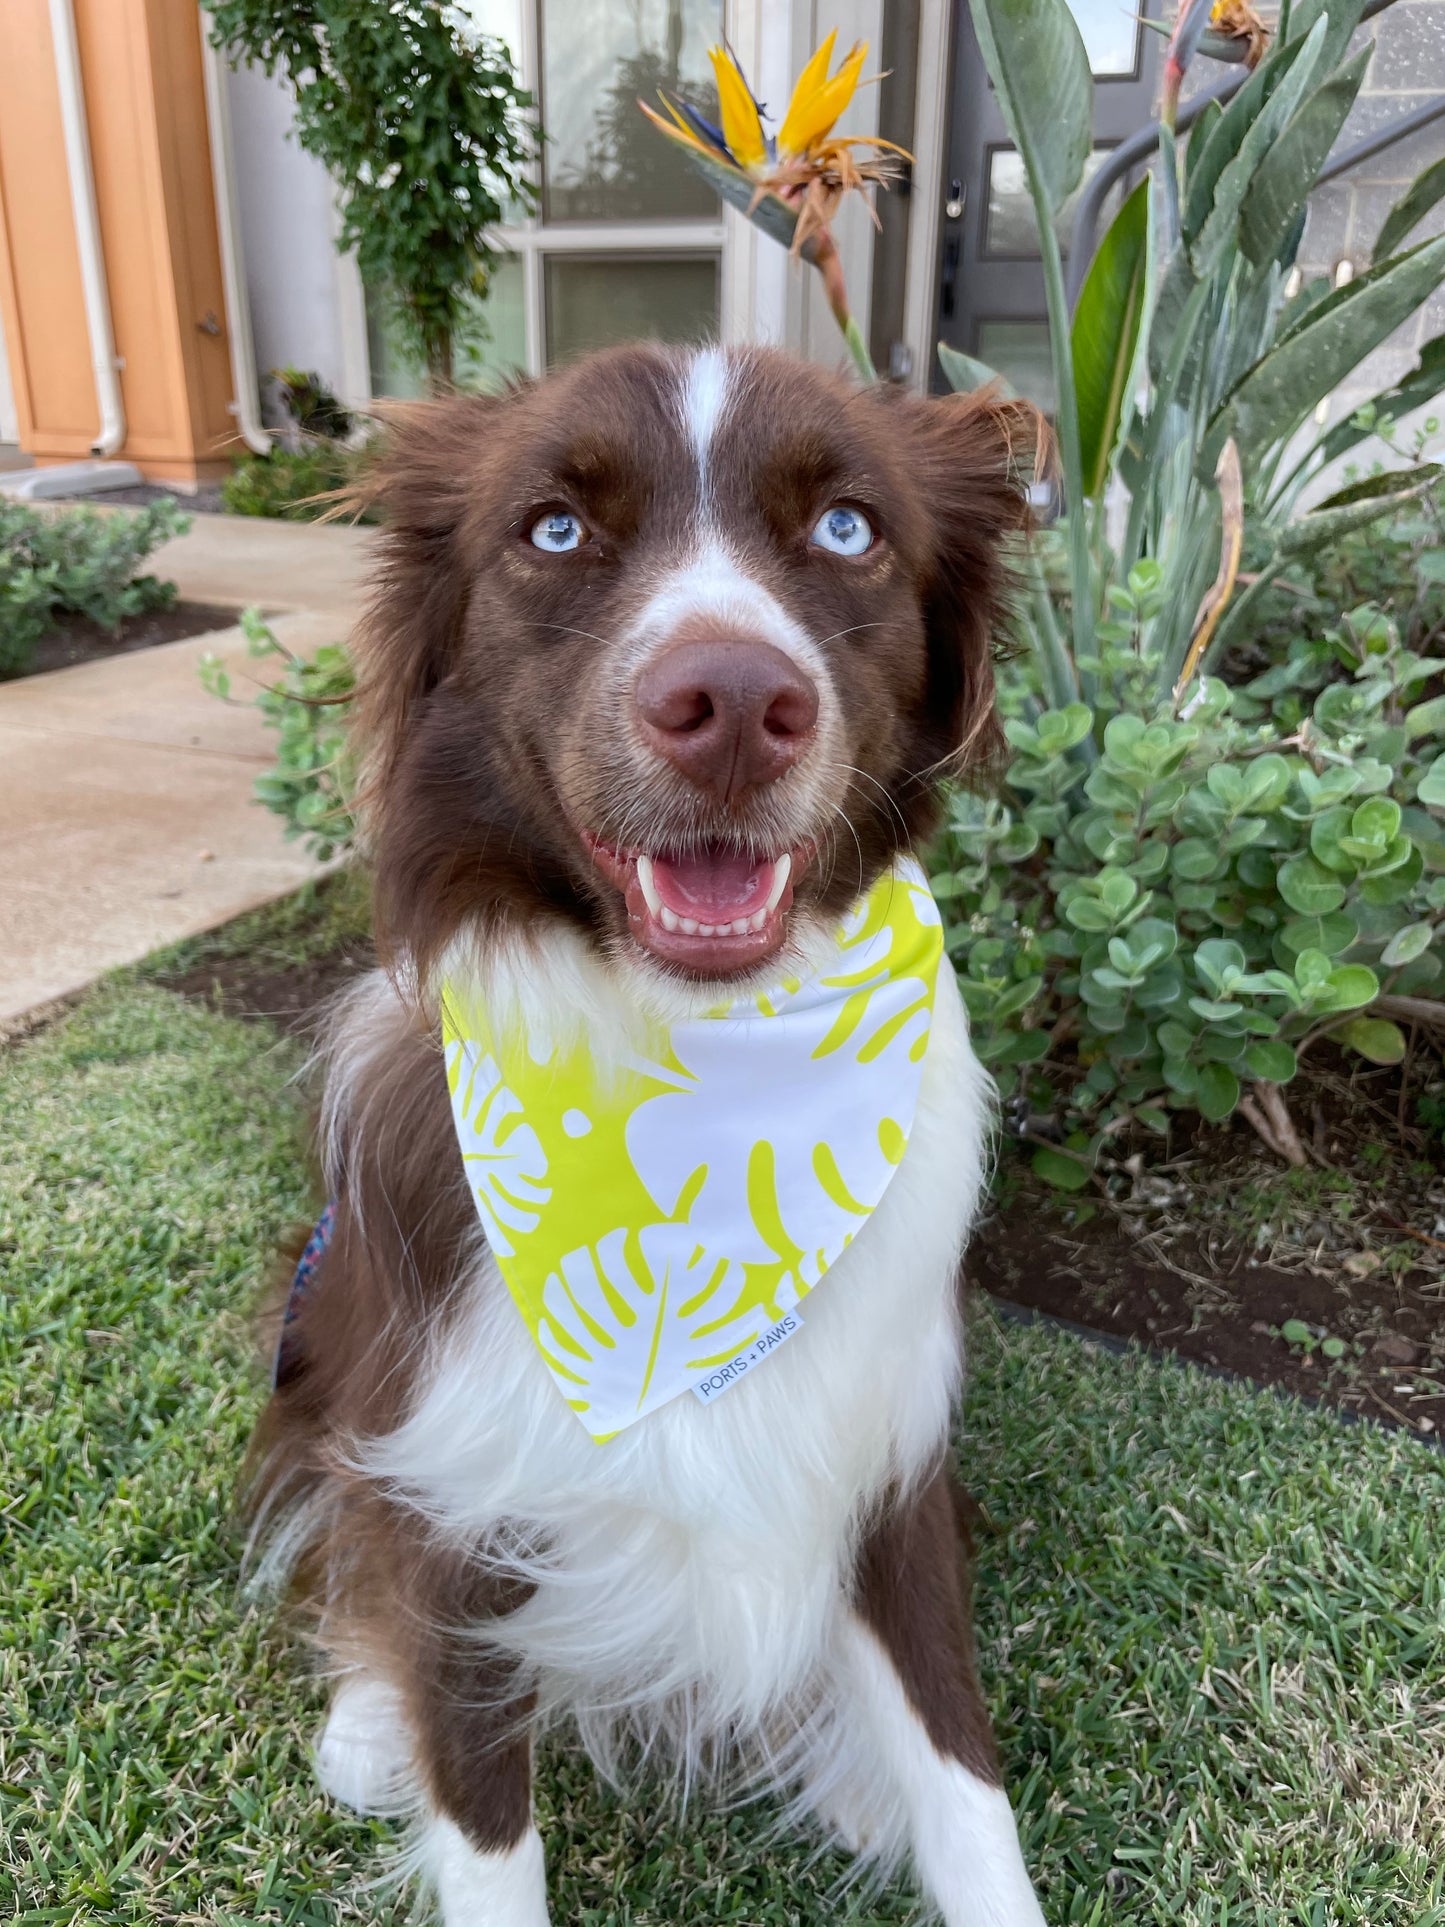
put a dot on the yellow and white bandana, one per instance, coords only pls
(657, 1227)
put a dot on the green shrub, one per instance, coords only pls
(287, 482)
(310, 785)
(1168, 925)
(27, 590)
(78, 561)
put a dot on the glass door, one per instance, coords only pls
(627, 240)
(991, 284)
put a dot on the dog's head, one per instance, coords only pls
(676, 647)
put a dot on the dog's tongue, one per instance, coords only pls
(714, 886)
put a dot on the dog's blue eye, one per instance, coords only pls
(556, 532)
(844, 531)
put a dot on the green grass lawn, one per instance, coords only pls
(1211, 1620)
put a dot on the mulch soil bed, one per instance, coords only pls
(1209, 1255)
(289, 995)
(1204, 1296)
(76, 639)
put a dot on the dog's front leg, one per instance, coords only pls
(427, 1720)
(463, 1767)
(480, 1850)
(911, 1696)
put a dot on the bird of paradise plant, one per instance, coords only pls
(790, 184)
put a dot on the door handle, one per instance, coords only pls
(957, 200)
(949, 278)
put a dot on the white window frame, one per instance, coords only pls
(535, 238)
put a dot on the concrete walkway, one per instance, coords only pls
(126, 817)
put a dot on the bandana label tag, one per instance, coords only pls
(717, 1382)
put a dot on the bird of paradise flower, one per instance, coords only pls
(790, 184)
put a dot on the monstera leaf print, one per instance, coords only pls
(624, 1318)
(789, 1183)
(503, 1156)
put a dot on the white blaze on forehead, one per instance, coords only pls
(711, 584)
(704, 398)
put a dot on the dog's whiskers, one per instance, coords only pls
(853, 770)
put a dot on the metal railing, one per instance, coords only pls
(1145, 142)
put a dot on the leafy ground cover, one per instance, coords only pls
(76, 562)
(1211, 1620)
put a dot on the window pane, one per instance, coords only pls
(603, 160)
(1019, 350)
(596, 299)
(496, 348)
(1111, 34)
(502, 19)
(1010, 231)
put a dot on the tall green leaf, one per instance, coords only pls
(1281, 388)
(1341, 16)
(1355, 508)
(1281, 187)
(1207, 161)
(1172, 296)
(1220, 225)
(964, 373)
(1411, 208)
(1105, 334)
(1307, 297)
(1201, 133)
(1035, 56)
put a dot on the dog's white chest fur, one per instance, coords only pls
(699, 1558)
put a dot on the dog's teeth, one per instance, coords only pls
(782, 870)
(706, 929)
(756, 922)
(690, 926)
(669, 921)
(649, 888)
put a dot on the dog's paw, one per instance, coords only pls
(363, 1757)
(845, 1820)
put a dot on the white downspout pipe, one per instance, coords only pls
(87, 230)
(247, 405)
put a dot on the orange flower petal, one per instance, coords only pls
(741, 125)
(809, 120)
(809, 84)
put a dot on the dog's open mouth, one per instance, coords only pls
(711, 910)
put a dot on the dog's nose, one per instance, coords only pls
(729, 714)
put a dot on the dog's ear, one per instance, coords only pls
(976, 456)
(420, 480)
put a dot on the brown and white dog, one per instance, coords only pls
(665, 659)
